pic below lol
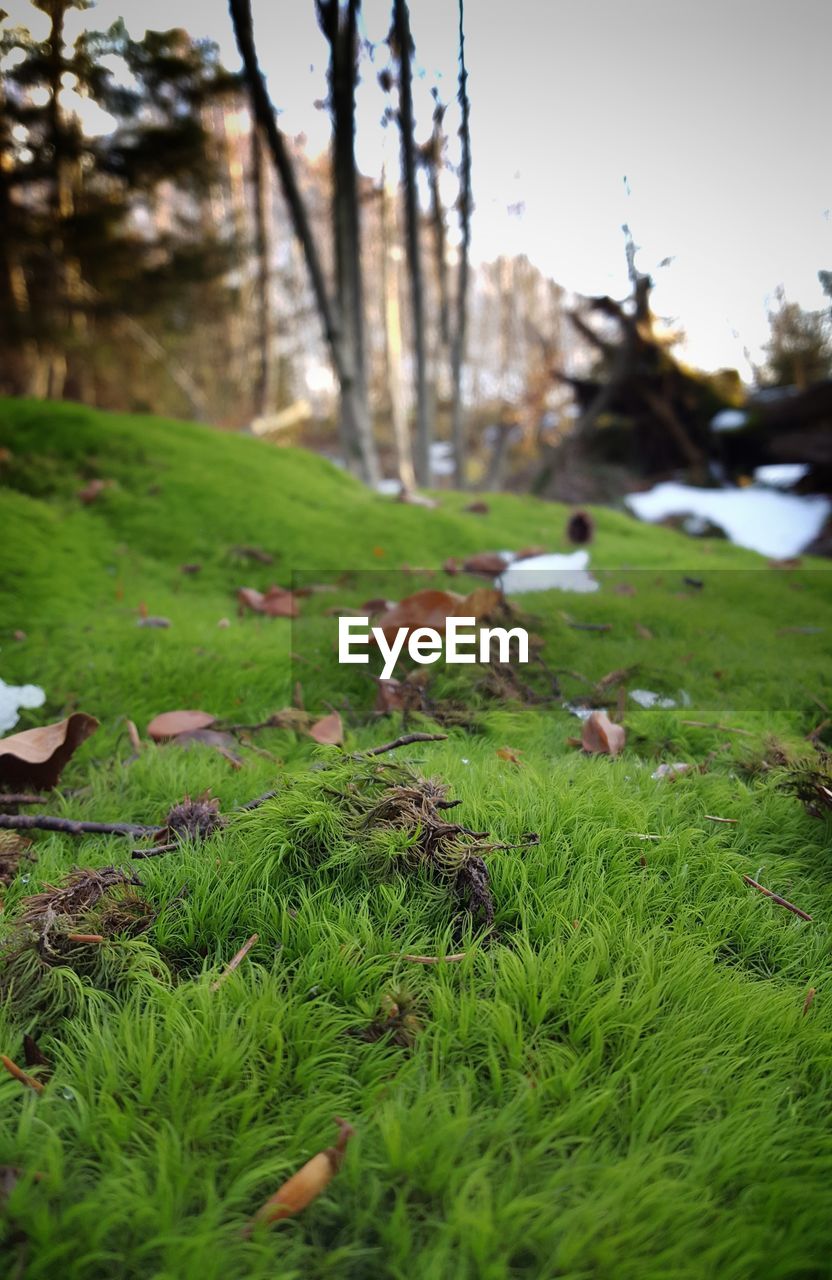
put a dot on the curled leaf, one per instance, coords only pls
(171, 723)
(35, 757)
(329, 731)
(309, 1181)
(488, 564)
(601, 737)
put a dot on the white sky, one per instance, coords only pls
(715, 110)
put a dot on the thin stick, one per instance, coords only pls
(256, 802)
(723, 728)
(43, 822)
(460, 955)
(712, 818)
(235, 960)
(404, 741)
(11, 797)
(775, 897)
(156, 851)
(85, 937)
(14, 1070)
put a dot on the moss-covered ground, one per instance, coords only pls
(617, 1080)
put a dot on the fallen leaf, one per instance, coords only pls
(600, 736)
(190, 568)
(481, 603)
(416, 499)
(92, 491)
(277, 602)
(153, 622)
(329, 731)
(487, 564)
(35, 757)
(309, 1181)
(171, 723)
(509, 754)
(477, 508)
(223, 743)
(428, 608)
(644, 632)
(377, 605)
(580, 528)
(528, 553)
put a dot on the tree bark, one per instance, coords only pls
(458, 352)
(338, 24)
(393, 337)
(263, 377)
(404, 47)
(353, 410)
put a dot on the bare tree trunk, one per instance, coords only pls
(21, 357)
(338, 24)
(458, 353)
(355, 415)
(404, 47)
(263, 379)
(393, 336)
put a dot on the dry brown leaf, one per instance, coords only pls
(481, 603)
(329, 731)
(171, 723)
(509, 754)
(580, 528)
(309, 1181)
(477, 508)
(601, 737)
(35, 757)
(92, 491)
(428, 608)
(487, 564)
(277, 602)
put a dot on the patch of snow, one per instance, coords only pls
(13, 697)
(671, 770)
(729, 420)
(774, 524)
(781, 475)
(549, 572)
(646, 698)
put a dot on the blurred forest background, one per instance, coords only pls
(166, 247)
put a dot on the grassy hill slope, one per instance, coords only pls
(618, 1080)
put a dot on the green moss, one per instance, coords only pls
(617, 1081)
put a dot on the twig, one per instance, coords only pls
(43, 822)
(404, 741)
(775, 897)
(156, 851)
(235, 960)
(14, 1070)
(11, 797)
(460, 955)
(85, 937)
(723, 728)
(712, 818)
(256, 802)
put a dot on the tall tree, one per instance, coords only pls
(262, 395)
(393, 335)
(458, 434)
(85, 245)
(355, 419)
(338, 21)
(402, 41)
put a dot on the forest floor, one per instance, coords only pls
(623, 1075)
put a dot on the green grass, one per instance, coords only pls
(621, 1083)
